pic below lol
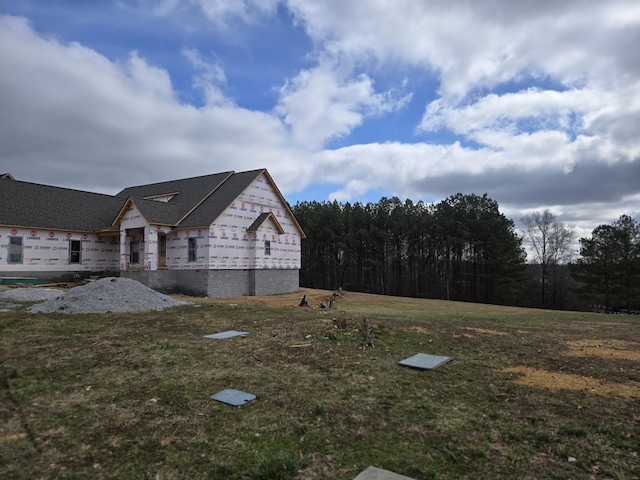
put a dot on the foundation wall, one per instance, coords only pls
(219, 283)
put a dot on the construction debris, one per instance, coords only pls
(303, 302)
(366, 330)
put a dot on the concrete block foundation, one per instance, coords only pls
(219, 283)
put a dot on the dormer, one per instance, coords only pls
(164, 197)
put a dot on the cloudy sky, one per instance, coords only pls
(534, 102)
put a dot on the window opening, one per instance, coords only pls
(267, 247)
(162, 250)
(135, 251)
(15, 250)
(75, 251)
(192, 249)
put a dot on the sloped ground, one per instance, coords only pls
(607, 350)
(128, 395)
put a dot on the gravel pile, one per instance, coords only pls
(111, 294)
(30, 294)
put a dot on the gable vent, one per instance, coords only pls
(165, 198)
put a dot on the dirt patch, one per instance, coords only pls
(419, 329)
(557, 381)
(291, 300)
(610, 349)
(486, 331)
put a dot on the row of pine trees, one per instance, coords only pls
(463, 248)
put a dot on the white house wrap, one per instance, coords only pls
(218, 235)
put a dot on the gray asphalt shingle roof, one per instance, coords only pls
(196, 202)
(214, 205)
(189, 192)
(32, 205)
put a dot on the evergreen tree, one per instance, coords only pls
(608, 269)
(481, 256)
(462, 248)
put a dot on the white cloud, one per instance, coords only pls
(247, 10)
(479, 44)
(151, 80)
(501, 112)
(221, 11)
(569, 71)
(211, 80)
(107, 125)
(319, 104)
(353, 188)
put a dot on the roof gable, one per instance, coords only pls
(286, 204)
(261, 219)
(213, 206)
(159, 213)
(183, 195)
(210, 209)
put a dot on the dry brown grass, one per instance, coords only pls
(614, 349)
(563, 381)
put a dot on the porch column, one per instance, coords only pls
(124, 257)
(151, 248)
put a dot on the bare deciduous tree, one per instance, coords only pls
(552, 245)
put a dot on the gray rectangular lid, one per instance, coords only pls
(227, 334)
(233, 397)
(424, 361)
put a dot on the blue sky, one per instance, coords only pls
(536, 103)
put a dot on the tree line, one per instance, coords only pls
(463, 248)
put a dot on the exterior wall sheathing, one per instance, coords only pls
(45, 254)
(229, 260)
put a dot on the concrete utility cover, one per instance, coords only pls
(373, 473)
(227, 334)
(424, 361)
(233, 397)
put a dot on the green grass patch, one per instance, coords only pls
(128, 395)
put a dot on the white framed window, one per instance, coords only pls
(267, 247)
(15, 250)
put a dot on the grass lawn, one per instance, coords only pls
(528, 394)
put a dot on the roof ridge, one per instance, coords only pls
(228, 172)
(60, 188)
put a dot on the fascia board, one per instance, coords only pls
(284, 203)
(129, 202)
(269, 216)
